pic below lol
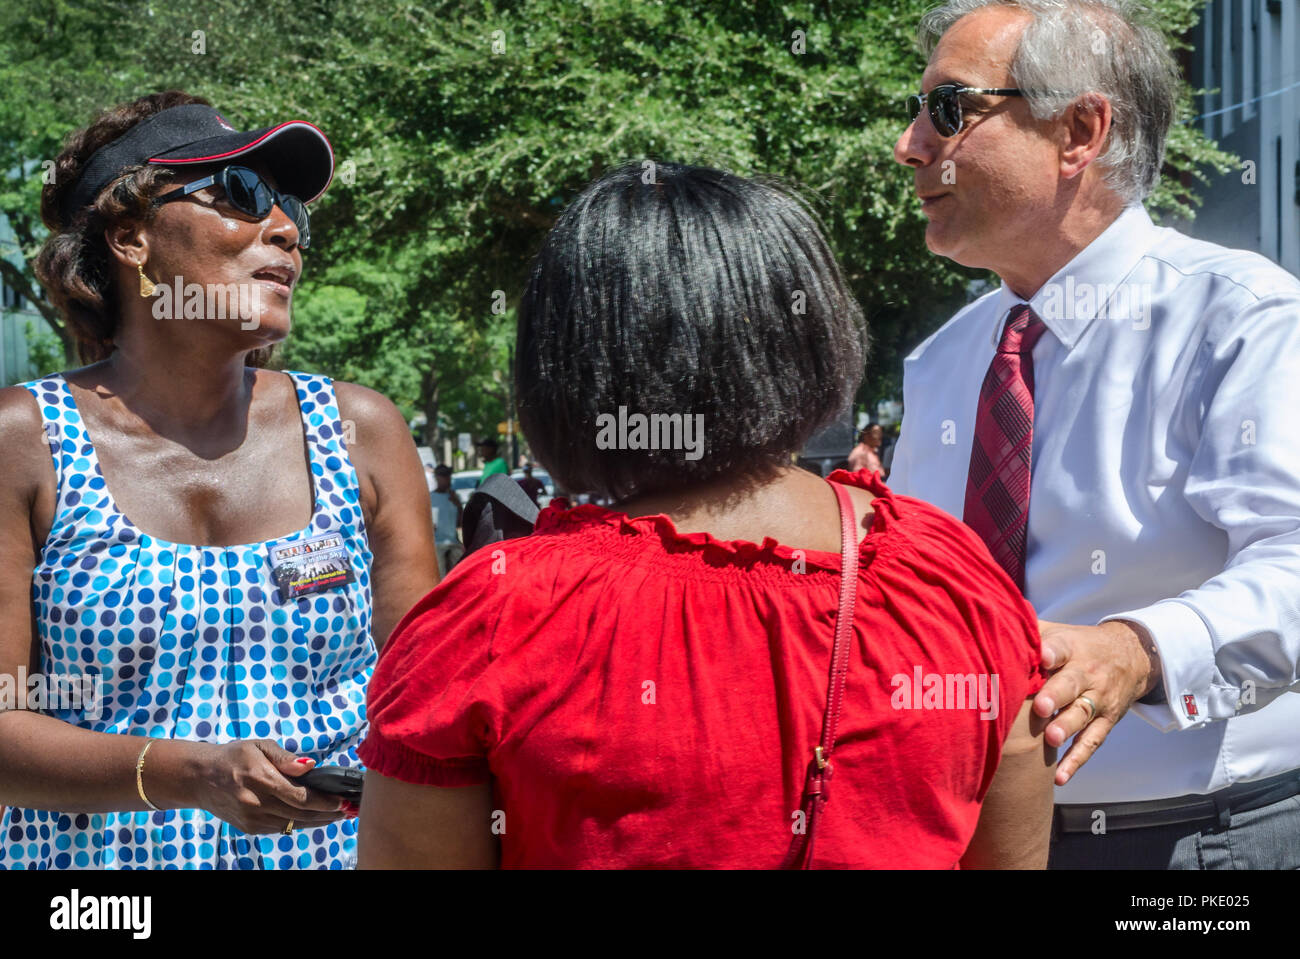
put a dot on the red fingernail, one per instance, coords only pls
(304, 760)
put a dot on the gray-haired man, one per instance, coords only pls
(1142, 386)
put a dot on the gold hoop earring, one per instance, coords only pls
(147, 287)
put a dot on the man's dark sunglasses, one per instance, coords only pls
(248, 193)
(944, 102)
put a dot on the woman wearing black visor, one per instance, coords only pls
(203, 554)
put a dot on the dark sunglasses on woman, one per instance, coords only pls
(944, 102)
(249, 194)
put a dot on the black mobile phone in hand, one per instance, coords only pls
(334, 781)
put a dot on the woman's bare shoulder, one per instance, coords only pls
(27, 469)
(21, 423)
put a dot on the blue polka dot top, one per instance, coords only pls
(196, 642)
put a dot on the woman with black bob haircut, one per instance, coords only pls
(675, 680)
(700, 294)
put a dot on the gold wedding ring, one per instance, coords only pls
(1092, 707)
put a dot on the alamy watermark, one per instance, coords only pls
(39, 692)
(655, 431)
(179, 300)
(922, 690)
(1118, 301)
(80, 913)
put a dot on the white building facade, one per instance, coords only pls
(20, 322)
(1247, 53)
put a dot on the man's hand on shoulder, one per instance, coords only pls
(1113, 665)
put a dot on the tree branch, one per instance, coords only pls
(22, 284)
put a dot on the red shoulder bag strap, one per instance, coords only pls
(816, 784)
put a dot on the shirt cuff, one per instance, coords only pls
(1188, 669)
(397, 761)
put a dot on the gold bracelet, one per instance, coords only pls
(139, 777)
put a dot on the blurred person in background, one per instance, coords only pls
(145, 494)
(493, 462)
(866, 455)
(887, 449)
(645, 684)
(447, 513)
(531, 484)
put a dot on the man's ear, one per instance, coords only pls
(128, 243)
(1086, 126)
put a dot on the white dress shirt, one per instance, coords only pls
(1165, 488)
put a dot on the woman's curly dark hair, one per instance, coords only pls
(74, 264)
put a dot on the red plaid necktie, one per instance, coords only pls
(997, 486)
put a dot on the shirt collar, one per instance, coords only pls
(1078, 292)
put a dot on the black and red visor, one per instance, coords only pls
(295, 153)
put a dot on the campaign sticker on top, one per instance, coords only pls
(310, 565)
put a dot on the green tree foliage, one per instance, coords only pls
(462, 129)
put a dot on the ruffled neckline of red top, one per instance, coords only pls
(560, 517)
